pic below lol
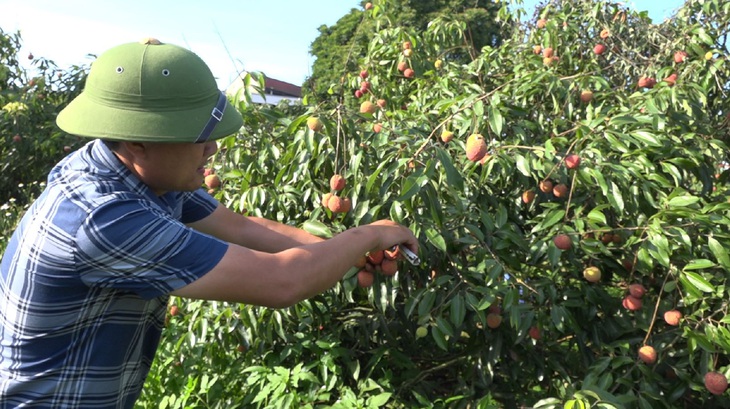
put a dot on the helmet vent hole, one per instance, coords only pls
(120, 70)
(166, 72)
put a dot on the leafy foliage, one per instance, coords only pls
(337, 47)
(647, 205)
(652, 179)
(31, 142)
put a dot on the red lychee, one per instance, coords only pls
(562, 241)
(716, 383)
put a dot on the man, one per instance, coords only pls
(123, 224)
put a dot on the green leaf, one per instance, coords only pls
(411, 186)
(553, 218)
(426, 304)
(699, 264)
(597, 216)
(435, 238)
(457, 310)
(522, 165)
(719, 252)
(317, 228)
(615, 197)
(682, 201)
(378, 401)
(496, 120)
(697, 281)
(623, 120)
(439, 338)
(444, 326)
(647, 138)
(453, 176)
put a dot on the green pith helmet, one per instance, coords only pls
(150, 92)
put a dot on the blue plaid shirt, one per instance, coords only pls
(85, 282)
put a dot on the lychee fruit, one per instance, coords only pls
(376, 257)
(637, 290)
(680, 56)
(476, 147)
(572, 161)
(599, 49)
(314, 123)
(388, 267)
(647, 354)
(528, 196)
(367, 107)
(562, 241)
(672, 317)
(646, 82)
(326, 198)
(592, 274)
(346, 205)
(560, 190)
(212, 181)
(631, 303)
(447, 136)
(546, 186)
(365, 278)
(494, 320)
(716, 383)
(335, 204)
(337, 182)
(586, 95)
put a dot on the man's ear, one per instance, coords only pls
(134, 148)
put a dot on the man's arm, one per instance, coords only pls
(285, 278)
(252, 232)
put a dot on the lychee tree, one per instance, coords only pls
(30, 142)
(498, 313)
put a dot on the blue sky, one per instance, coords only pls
(272, 36)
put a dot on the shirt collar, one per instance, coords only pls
(106, 159)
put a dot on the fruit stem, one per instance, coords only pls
(656, 308)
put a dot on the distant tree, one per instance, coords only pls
(337, 47)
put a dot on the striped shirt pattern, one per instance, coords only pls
(85, 281)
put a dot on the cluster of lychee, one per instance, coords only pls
(559, 190)
(632, 301)
(332, 201)
(382, 261)
(549, 57)
(404, 65)
(364, 84)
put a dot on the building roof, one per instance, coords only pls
(274, 90)
(276, 87)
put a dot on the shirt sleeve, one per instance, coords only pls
(134, 246)
(197, 205)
